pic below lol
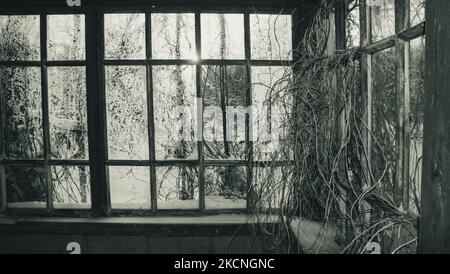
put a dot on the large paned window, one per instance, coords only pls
(181, 120)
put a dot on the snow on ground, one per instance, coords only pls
(220, 202)
(42, 205)
(212, 202)
(31, 205)
(71, 206)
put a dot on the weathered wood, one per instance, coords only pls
(402, 91)
(151, 113)
(434, 229)
(45, 112)
(96, 114)
(412, 33)
(406, 35)
(379, 46)
(199, 92)
(342, 112)
(366, 92)
(366, 102)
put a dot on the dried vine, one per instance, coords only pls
(328, 177)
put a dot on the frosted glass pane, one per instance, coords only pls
(126, 99)
(71, 187)
(226, 187)
(224, 88)
(124, 36)
(22, 99)
(353, 25)
(417, 11)
(417, 108)
(177, 188)
(383, 19)
(271, 107)
(173, 36)
(223, 36)
(68, 114)
(66, 37)
(19, 38)
(175, 108)
(271, 36)
(26, 187)
(130, 187)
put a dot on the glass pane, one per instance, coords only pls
(175, 107)
(224, 111)
(71, 187)
(124, 36)
(271, 108)
(384, 118)
(268, 186)
(331, 37)
(26, 187)
(130, 187)
(417, 107)
(67, 109)
(223, 36)
(271, 36)
(226, 187)
(383, 19)
(66, 35)
(353, 25)
(21, 96)
(173, 36)
(177, 188)
(19, 38)
(417, 11)
(126, 98)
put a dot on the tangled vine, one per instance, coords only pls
(327, 176)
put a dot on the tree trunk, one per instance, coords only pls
(186, 187)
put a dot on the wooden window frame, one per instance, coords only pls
(404, 33)
(96, 99)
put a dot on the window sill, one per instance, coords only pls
(223, 224)
(172, 220)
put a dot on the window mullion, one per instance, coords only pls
(402, 171)
(45, 112)
(96, 112)
(366, 89)
(150, 113)
(201, 156)
(248, 103)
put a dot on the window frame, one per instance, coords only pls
(399, 41)
(95, 64)
(46, 162)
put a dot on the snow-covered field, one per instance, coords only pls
(212, 202)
